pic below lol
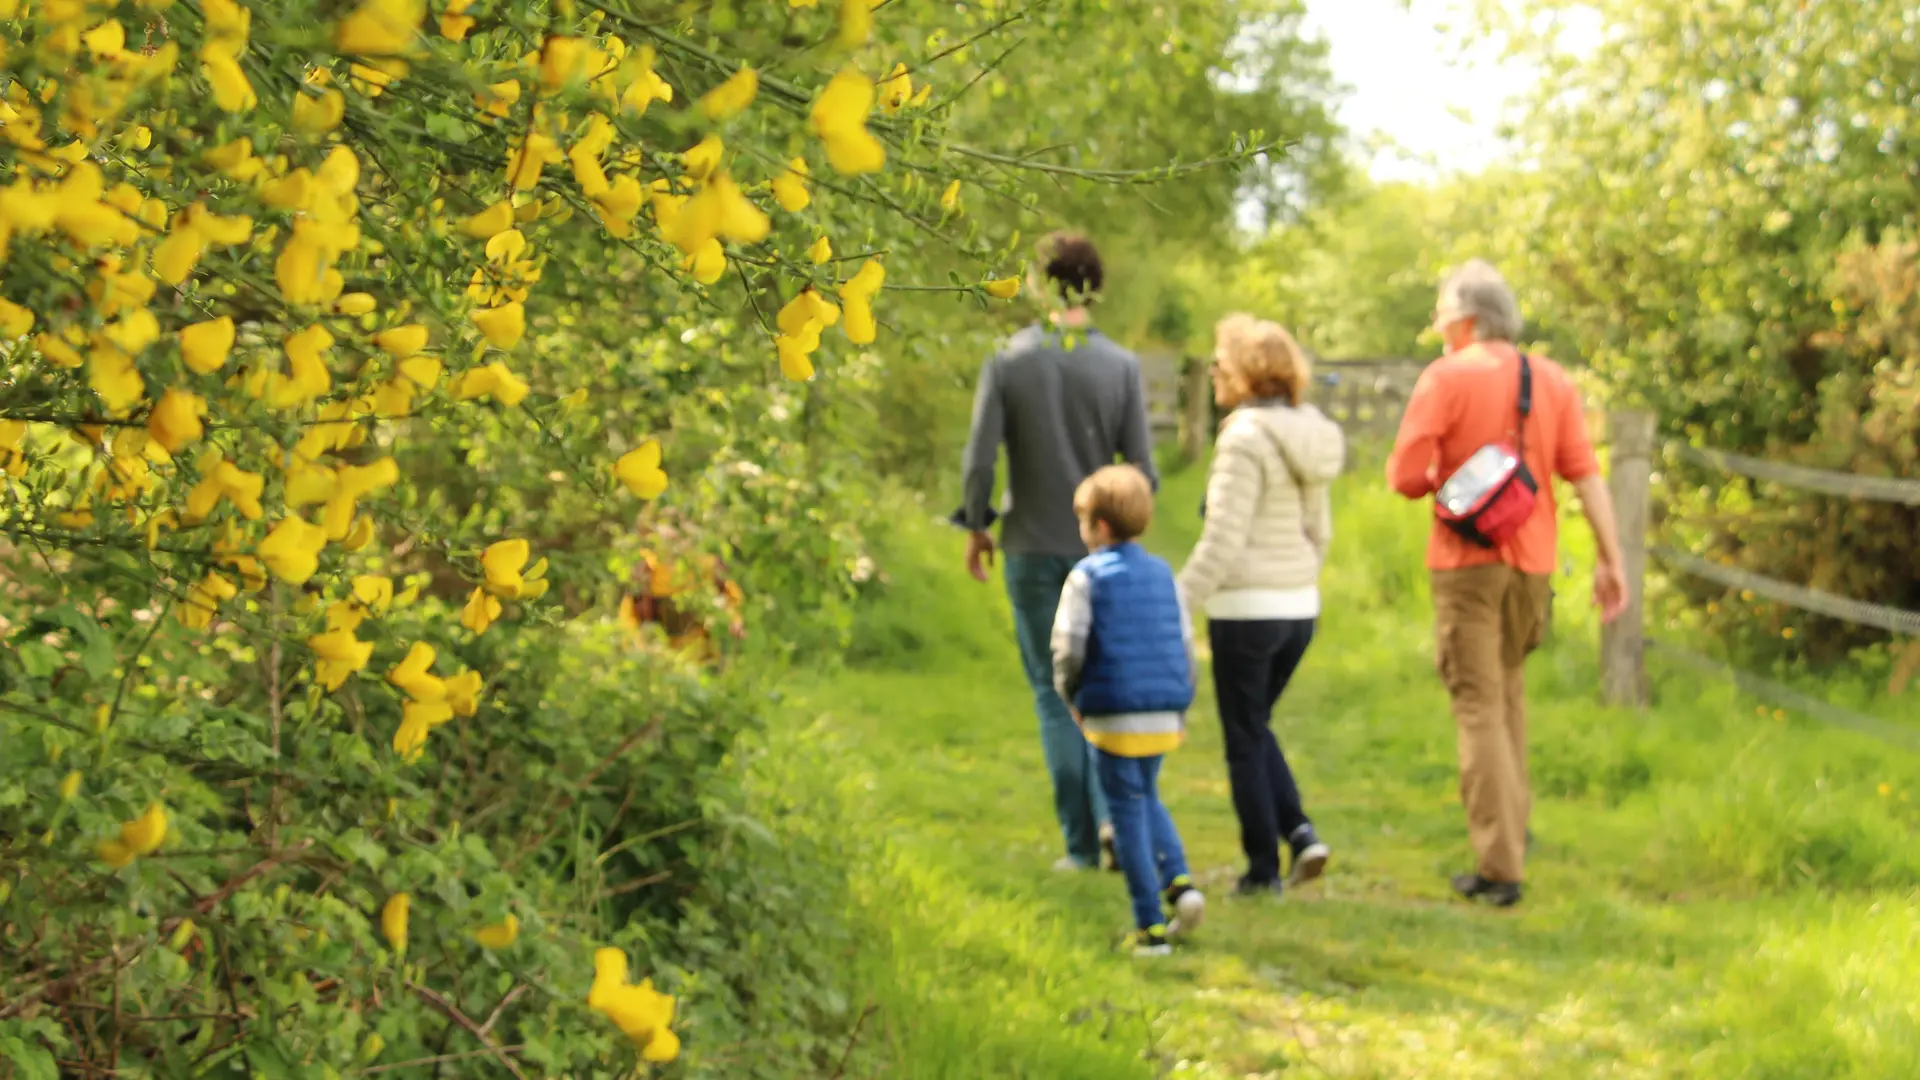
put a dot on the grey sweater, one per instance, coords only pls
(1062, 413)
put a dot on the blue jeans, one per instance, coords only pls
(1033, 584)
(1143, 833)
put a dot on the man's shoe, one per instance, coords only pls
(1067, 864)
(1149, 942)
(1309, 856)
(1110, 854)
(1496, 893)
(1185, 907)
(1250, 886)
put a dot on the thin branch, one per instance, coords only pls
(453, 1013)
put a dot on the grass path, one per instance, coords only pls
(1713, 893)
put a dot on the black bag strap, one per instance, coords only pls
(1526, 402)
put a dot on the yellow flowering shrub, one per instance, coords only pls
(340, 342)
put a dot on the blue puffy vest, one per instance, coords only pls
(1136, 660)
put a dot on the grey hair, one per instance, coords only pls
(1476, 289)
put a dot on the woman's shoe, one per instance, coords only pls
(1309, 856)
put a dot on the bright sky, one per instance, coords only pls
(1433, 109)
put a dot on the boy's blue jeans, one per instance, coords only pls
(1033, 584)
(1143, 832)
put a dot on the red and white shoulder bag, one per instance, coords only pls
(1489, 497)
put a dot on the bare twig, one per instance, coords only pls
(453, 1013)
(439, 1059)
(846, 1054)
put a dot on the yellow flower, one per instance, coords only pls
(790, 187)
(202, 601)
(703, 157)
(618, 205)
(340, 655)
(226, 19)
(525, 161)
(393, 922)
(293, 191)
(141, 836)
(566, 59)
(422, 371)
(501, 562)
(112, 375)
(410, 738)
(225, 480)
(308, 377)
(292, 549)
(709, 264)
(502, 326)
(584, 155)
(1003, 288)
(463, 693)
(950, 198)
(175, 420)
(839, 118)
(896, 90)
(795, 363)
(425, 714)
(70, 785)
(373, 592)
(177, 255)
(858, 294)
(856, 23)
(318, 115)
(807, 307)
(235, 159)
(401, 342)
(413, 676)
(354, 482)
(220, 63)
(355, 304)
(640, 470)
(821, 251)
(494, 380)
(455, 23)
(380, 28)
(499, 98)
(204, 345)
(15, 321)
(500, 934)
(644, 86)
(642, 1013)
(733, 96)
(482, 608)
(490, 222)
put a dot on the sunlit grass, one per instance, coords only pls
(1714, 893)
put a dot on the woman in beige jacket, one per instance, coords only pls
(1255, 572)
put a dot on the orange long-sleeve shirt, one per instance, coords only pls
(1468, 399)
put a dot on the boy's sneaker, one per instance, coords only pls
(1148, 942)
(1110, 854)
(1250, 886)
(1067, 864)
(1185, 907)
(1309, 856)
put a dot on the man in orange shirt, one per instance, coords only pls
(1490, 604)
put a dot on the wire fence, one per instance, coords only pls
(1859, 612)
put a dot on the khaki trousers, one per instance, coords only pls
(1487, 620)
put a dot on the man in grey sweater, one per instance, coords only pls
(1065, 400)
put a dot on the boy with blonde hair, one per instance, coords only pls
(1123, 656)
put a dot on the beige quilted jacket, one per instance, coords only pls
(1268, 516)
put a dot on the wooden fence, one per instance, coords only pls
(1366, 397)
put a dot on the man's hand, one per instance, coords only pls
(979, 554)
(1078, 721)
(1609, 590)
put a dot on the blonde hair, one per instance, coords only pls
(1118, 495)
(1260, 360)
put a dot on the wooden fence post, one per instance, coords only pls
(1623, 669)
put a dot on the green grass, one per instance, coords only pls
(1714, 892)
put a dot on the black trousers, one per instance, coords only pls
(1252, 663)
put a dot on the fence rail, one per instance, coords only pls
(1624, 647)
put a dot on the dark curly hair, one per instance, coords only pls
(1072, 267)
